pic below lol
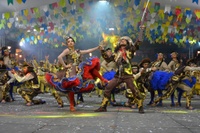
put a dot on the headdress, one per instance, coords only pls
(145, 60)
(127, 39)
(69, 37)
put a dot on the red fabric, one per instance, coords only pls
(89, 88)
(88, 68)
(123, 54)
(48, 77)
(71, 84)
(96, 74)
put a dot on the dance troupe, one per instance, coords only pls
(116, 72)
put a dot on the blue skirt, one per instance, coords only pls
(160, 79)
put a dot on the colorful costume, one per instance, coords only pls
(124, 74)
(183, 80)
(80, 83)
(30, 88)
(3, 85)
(159, 78)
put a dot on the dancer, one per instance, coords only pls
(108, 72)
(78, 76)
(173, 65)
(161, 66)
(31, 88)
(124, 52)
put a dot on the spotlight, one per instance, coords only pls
(9, 47)
(111, 29)
(103, 1)
(21, 44)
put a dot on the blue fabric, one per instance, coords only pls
(190, 83)
(109, 75)
(160, 79)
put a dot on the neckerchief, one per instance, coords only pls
(123, 54)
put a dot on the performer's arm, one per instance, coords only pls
(106, 57)
(88, 50)
(170, 65)
(164, 65)
(27, 77)
(60, 58)
(103, 64)
(136, 76)
(140, 38)
(192, 68)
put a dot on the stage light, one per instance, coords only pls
(21, 44)
(9, 47)
(111, 29)
(104, 1)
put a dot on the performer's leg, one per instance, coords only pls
(96, 73)
(180, 93)
(113, 96)
(71, 101)
(79, 98)
(152, 95)
(25, 95)
(57, 97)
(40, 78)
(5, 90)
(188, 91)
(170, 89)
(136, 94)
(11, 91)
(160, 95)
(172, 100)
(107, 94)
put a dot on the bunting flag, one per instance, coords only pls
(71, 2)
(157, 6)
(45, 22)
(167, 9)
(197, 13)
(19, 1)
(137, 2)
(188, 12)
(62, 3)
(25, 12)
(195, 1)
(177, 11)
(24, 1)
(10, 2)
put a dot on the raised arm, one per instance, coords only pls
(60, 58)
(89, 50)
